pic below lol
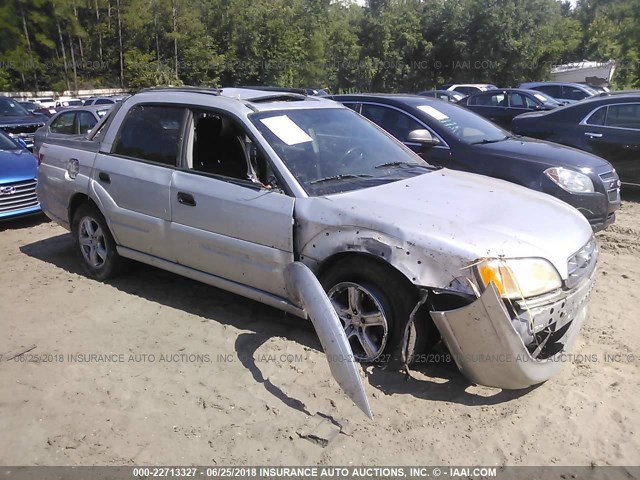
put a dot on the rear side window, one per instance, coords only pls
(598, 117)
(63, 124)
(151, 132)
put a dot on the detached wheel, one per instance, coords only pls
(95, 244)
(374, 304)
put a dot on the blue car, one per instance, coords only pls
(18, 168)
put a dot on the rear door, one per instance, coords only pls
(133, 179)
(518, 103)
(229, 218)
(613, 132)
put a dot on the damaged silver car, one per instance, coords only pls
(302, 204)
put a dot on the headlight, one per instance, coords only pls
(570, 180)
(519, 277)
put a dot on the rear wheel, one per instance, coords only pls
(374, 304)
(95, 244)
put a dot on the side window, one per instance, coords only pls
(624, 116)
(598, 117)
(554, 91)
(492, 100)
(397, 123)
(86, 122)
(352, 106)
(517, 100)
(63, 124)
(573, 93)
(151, 132)
(218, 145)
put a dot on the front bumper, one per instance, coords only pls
(489, 351)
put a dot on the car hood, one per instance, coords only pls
(461, 217)
(30, 120)
(17, 165)
(546, 153)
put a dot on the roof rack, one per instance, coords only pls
(299, 91)
(203, 90)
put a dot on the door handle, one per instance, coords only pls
(104, 177)
(593, 135)
(186, 199)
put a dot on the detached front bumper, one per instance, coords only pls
(489, 351)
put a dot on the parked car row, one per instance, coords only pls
(301, 203)
(451, 136)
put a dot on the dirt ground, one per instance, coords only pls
(153, 368)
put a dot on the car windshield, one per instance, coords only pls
(465, 125)
(11, 108)
(333, 150)
(7, 144)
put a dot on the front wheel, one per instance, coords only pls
(95, 244)
(374, 304)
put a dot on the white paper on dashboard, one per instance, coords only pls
(432, 112)
(286, 130)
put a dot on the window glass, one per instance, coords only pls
(598, 117)
(554, 91)
(102, 101)
(151, 133)
(219, 146)
(63, 124)
(518, 100)
(393, 121)
(86, 122)
(335, 150)
(624, 116)
(491, 100)
(573, 93)
(352, 106)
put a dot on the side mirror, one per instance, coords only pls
(423, 137)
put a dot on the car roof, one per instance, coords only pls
(406, 98)
(567, 84)
(237, 100)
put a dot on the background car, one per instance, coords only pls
(566, 93)
(451, 136)
(69, 102)
(70, 121)
(18, 122)
(446, 95)
(502, 105)
(468, 88)
(607, 126)
(18, 170)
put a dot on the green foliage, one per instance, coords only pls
(387, 45)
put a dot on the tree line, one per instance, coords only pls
(383, 45)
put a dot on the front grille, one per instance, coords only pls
(17, 195)
(611, 185)
(582, 263)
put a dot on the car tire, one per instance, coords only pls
(95, 245)
(360, 290)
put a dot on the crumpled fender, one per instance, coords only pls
(489, 351)
(304, 287)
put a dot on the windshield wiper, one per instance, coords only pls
(397, 164)
(493, 140)
(342, 176)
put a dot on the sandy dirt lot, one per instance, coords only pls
(186, 374)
